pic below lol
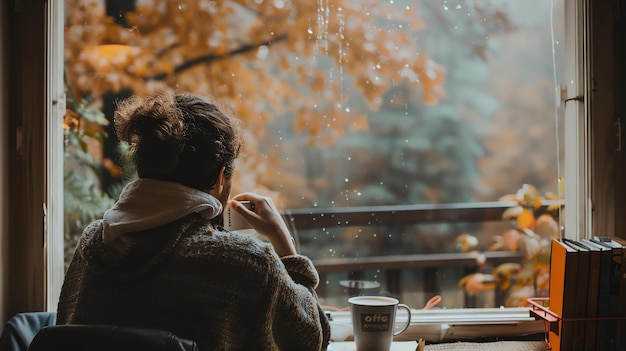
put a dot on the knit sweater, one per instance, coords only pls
(224, 290)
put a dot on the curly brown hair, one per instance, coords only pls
(181, 138)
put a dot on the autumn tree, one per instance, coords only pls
(267, 59)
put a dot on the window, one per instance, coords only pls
(387, 130)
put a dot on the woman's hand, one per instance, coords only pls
(266, 220)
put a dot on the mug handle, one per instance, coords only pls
(408, 321)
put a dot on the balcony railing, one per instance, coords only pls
(430, 265)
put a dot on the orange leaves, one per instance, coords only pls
(505, 274)
(373, 54)
(432, 78)
(507, 241)
(360, 123)
(466, 243)
(108, 57)
(521, 216)
(525, 219)
(71, 121)
(318, 82)
(547, 227)
(477, 282)
(526, 196)
(530, 236)
(100, 68)
(325, 126)
(112, 168)
(324, 67)
(136, 61)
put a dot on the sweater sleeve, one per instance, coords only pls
(301, 270)
(299, 321)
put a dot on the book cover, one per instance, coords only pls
(593, 292)
(603, 326)
(621, 324)
(617, 297)
(582, 295)
(563, 280)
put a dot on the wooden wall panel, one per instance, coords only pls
(608, 163)
(26, 95)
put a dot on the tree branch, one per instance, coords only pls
(209, 58)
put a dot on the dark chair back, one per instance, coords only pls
(81, 337)
(20, 330)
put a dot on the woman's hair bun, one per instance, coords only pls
(157, 117)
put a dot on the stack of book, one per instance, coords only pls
(588, 293)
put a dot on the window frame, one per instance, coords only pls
(577, 143)
(575, 97)
(55, 110)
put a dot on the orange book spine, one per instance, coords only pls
(563, 279)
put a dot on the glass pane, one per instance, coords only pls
(414, 145)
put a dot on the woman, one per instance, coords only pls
(160, 258)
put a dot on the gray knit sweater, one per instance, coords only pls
(224, 290)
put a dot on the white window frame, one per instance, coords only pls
(55, 110)
(577, 143)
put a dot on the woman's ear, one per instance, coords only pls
(220, 182)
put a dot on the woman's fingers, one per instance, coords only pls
(265, 219)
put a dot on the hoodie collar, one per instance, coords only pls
(148, 203)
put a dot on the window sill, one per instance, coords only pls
(447, 325)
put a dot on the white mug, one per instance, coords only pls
(373, 321)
